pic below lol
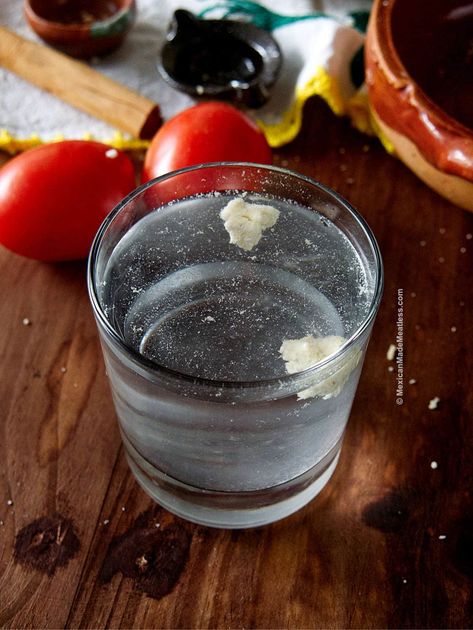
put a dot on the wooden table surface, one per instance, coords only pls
(387, 544)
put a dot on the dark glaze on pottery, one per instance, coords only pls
(80, 12)
(220, 58)
(402, 63)
(437, 52)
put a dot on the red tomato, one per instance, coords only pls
(209, 132)
(53, 198)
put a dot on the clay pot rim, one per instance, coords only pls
(399, 77)
(77, 28)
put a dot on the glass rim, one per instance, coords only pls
(158, 370)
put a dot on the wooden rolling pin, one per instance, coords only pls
(79, 85)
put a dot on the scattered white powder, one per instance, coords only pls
(442, 537)
(433, 404)
(391, 353)
(245, 222)
(26, 321)
(111, 153)
(300, 354)
(390, 368)
(433, 465)
(453, 329)
(412, 381)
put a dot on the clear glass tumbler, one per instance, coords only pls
(234, 304)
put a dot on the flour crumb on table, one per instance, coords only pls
(26, 321)
(434, 403)
(391, 353)
(433, 465)
(246, 222)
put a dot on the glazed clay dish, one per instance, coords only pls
(419, 75)
(81, 28)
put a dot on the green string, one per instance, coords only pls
(264, 18)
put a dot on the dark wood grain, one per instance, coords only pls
(388, 543)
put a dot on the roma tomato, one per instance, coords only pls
(208, 132)
(53, 198)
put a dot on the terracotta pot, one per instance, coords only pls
(419, 75)
(81, 28)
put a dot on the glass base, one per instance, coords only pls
(231, 510)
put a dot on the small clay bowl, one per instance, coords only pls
(419, 76)
(81, 28)
(226, 59)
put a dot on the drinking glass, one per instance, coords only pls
(233, 369)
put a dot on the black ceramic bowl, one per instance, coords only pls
(225, 59)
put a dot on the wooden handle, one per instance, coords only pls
(79, 85)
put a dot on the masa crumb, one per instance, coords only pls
(300, 354)
(412, 381)
(26, 321)
(433, 465)
(246, 222)
(433, 404)
(391, 353)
